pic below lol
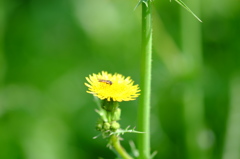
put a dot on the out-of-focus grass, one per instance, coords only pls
(232, 145)
(48, 48)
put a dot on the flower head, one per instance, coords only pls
(112, 87)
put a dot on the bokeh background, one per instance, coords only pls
(47, 48)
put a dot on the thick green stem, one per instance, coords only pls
(117, 146)
(144, 107)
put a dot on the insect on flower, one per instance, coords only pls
(105, 81)
(112, 87)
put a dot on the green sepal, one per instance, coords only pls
(103, 114)
(116, 114)
(109, 106)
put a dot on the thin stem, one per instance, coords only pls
(144, 107)
(117, 146)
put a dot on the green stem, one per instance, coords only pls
(117, 146)
(144, 107)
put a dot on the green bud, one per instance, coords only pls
(99, 126)
(115, 125)
(106, 126)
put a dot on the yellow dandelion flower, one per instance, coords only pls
(112, 87)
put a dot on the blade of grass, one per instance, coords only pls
(232, 140)
(2, 29)
(188, 9)
(195, 132)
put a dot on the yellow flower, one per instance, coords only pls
(112, 87)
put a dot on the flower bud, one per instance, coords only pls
(115, 125)
(106, 126)
(99, 126)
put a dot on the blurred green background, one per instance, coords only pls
(47, 48)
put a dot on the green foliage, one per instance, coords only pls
(178, 1)
(47, 48)
(188, 9)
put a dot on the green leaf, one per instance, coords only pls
(141, 1)
(153, 154)
(134, 150)
(122, 131)
(188, 9)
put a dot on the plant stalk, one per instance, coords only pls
(117, 146)
(144, 106)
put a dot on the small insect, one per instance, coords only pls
(105, 81)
